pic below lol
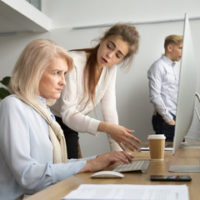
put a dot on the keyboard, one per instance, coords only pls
(136, 165)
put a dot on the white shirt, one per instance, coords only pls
(70, 105)
(26, 152)
(163, 78)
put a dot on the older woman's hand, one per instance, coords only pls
(105, 160)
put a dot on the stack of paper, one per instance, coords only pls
(128, 192)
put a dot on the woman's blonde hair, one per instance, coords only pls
(31, 64)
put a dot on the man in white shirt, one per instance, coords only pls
(163, 78)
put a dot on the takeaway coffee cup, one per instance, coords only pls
(156, 146)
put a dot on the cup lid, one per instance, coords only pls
(156, 136)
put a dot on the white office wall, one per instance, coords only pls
(132, 87)
(89, 12)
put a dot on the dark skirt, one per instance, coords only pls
(72, 139)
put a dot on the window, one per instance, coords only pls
(35, 3)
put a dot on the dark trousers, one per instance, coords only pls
(161, 127)
(71, 138)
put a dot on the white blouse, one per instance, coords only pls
(71, 105)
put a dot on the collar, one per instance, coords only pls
(168, 61)
(43, 100)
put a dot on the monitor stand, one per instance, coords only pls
(190, 145)
(184, 168)
(187, 145)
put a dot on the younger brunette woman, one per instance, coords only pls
(92, 81)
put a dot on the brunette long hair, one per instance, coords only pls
(129, 34)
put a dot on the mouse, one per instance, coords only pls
(107, 174)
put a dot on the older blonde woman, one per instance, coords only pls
(32, 145)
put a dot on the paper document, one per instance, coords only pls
(128, 192)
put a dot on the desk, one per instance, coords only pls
(183, 156)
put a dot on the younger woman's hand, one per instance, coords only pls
(120, 134)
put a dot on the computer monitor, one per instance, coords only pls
(187, 88)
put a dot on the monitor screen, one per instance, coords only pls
(187, 87)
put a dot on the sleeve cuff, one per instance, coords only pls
(93, 127)
(64, 170)
(168, 118)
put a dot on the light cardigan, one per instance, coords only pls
(55, 131)
(26, 152)
(70, 107)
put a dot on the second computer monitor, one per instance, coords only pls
(187, 87)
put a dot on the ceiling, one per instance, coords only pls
(13, 19)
